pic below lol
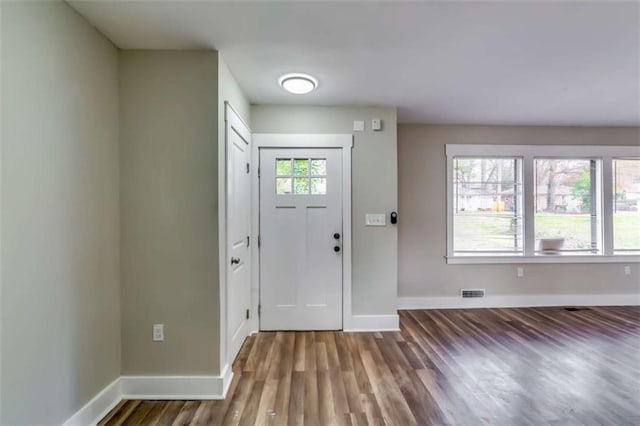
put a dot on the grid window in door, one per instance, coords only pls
(301, 176)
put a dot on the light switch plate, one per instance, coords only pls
(158, 332)
(375, 220)
(376, 124)
(358, 126)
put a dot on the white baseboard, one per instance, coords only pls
(372, 323)
(519, 301)
(176, 387)
(151, 387)
(227, 377)
(99, 406)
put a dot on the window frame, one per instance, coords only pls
(528, 154)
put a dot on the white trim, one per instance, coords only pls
(303, 140)
(176, 387)
(232, 120)
(529, 205)
(222, 240)
(572, 151)
(474, 260)
(449, 200)
(607, 200)
(227, 104)
(99, 406)
(151, 387)
(347, 255)
(276, 140)
(254, 320)
(373, 323)
(519, 301)
(227, 377)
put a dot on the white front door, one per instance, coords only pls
(238, 231)
(301, 239)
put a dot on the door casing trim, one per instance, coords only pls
(231, 119)
(279, 140)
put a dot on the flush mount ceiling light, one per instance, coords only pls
(298, 84)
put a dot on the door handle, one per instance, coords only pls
(235, 260)
(336, 249)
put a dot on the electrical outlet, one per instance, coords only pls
(520, 272)
(627, 270)
(158, 332)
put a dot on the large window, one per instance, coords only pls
(488, 205)
(540, 203)
(567, 218)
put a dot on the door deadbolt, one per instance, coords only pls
(336, 236)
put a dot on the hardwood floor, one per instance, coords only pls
(534, 366)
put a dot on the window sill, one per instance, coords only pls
(474, 260)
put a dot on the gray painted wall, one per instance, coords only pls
(169, 192)
(374, 190)
(60, 215)
(422, 228)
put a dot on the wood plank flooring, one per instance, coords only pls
(533, 366)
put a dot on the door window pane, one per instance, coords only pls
(318, 186)
(318, 167)
(487, 206)
(626, 206)
(566, 206)
(283, 186)
(301, 186)
(283, 167)
(301, 167)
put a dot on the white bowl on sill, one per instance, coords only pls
(550, 245)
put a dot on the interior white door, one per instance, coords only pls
(238, 231)
(300, 239)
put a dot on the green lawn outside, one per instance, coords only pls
(574, 228)
(493, 231)
(483, 231)
(626, 230)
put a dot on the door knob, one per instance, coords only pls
(336, 249)
(235, 260)
(336, 236)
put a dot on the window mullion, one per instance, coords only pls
(594, 205)
(450, 203)
(528, 191)
(607, 205)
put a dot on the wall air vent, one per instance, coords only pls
(467, 292)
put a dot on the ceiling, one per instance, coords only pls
(536, 63)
